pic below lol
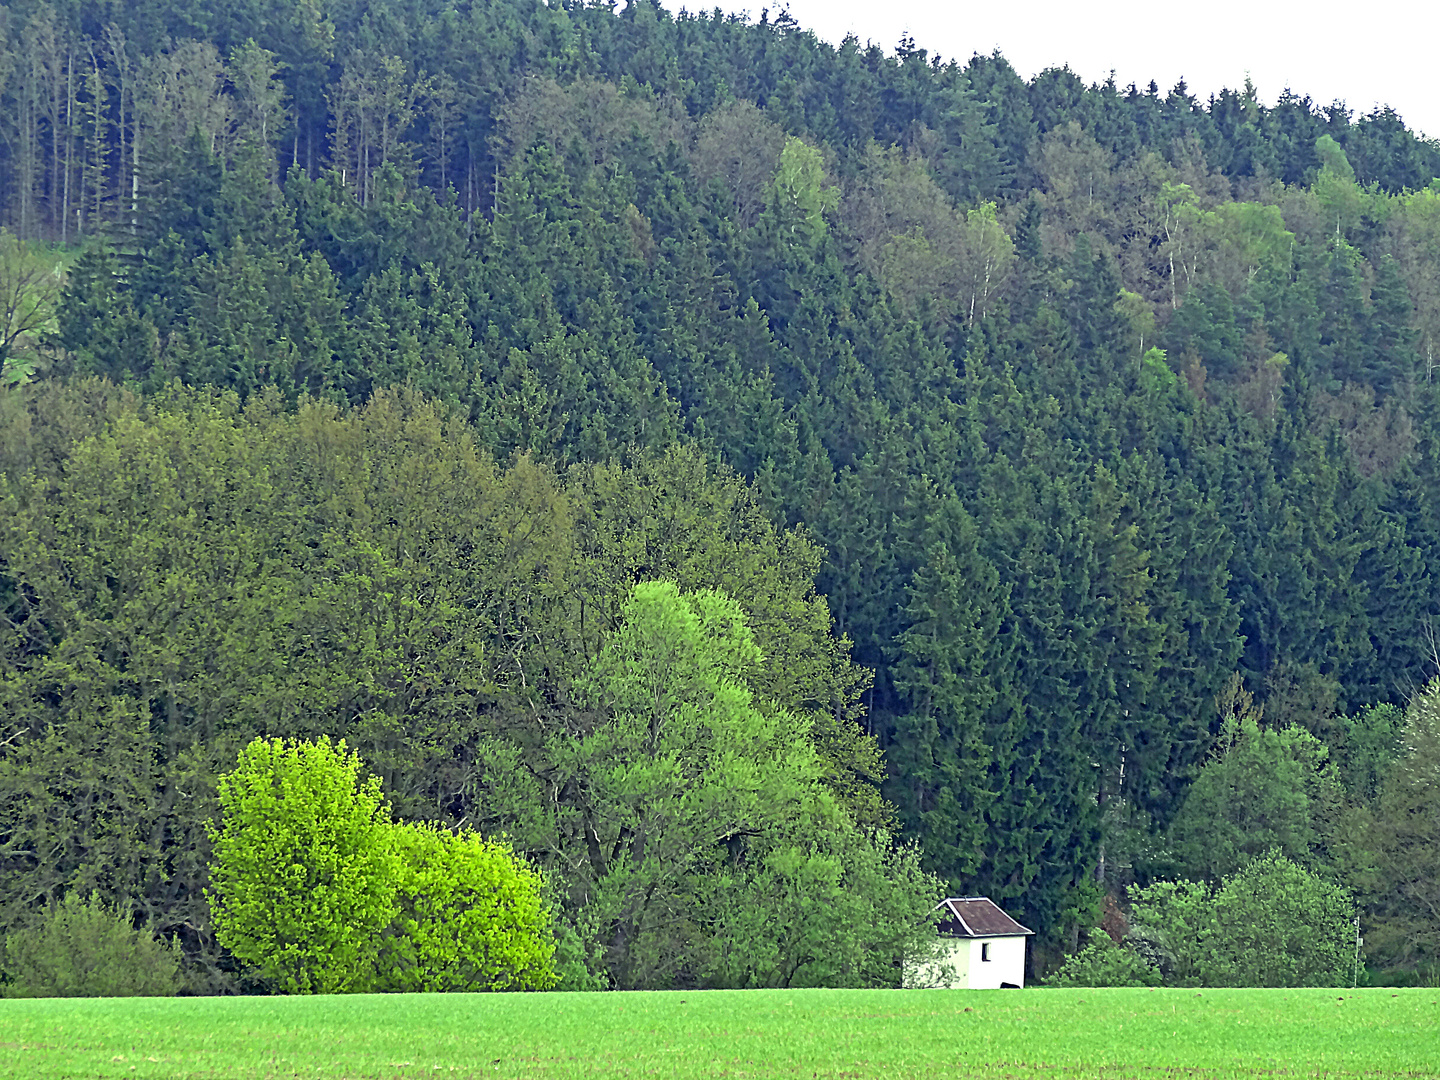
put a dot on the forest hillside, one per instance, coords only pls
(1070, 452)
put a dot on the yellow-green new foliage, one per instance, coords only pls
(302, 876)
(471, 916)
(316, 888)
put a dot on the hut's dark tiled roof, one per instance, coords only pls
(976, 917)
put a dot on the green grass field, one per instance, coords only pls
(802, 1033)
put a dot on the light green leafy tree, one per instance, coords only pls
(1414, 223)
(1279, 924)
(303, 875)
(30, 285)
(1167, 921)
(985, 260)
(799, 195)
(1184, 224)
(1156, 374)
(1249, 238)
(1341, 199)
(706, 846)
(1139, 318)
(318, 890)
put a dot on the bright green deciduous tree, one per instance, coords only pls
(798, 195)
(30, 285)
(471, 916)
(316, 888)
(303, 876)
(1340, 197)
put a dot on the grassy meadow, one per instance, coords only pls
(809, 1033)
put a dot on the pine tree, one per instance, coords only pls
(945, 670)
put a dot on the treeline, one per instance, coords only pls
(184, 575)
(1088, 398)
(98, 94)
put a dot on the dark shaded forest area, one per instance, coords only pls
(1071, 450)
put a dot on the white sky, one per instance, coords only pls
(1365, 54)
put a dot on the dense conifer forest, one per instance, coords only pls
(1071, 452)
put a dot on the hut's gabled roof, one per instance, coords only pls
(977, 917)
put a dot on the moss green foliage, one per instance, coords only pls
(1089, 1034)
(84, 947)
(1401, 879)
(316, 889)
(1101, 962)
(1264, 789)
(1366, 749)
(1272, 923)
(303, 869)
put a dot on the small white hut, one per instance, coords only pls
(981, 948)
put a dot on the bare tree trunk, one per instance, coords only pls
(470, 179)
(55, 111)
(362, 162)
(124, 119)
(69, 142)
(442, 104)
(135, 177)
(29, 156)
(95, 152)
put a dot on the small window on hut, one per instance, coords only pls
(984, 950)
